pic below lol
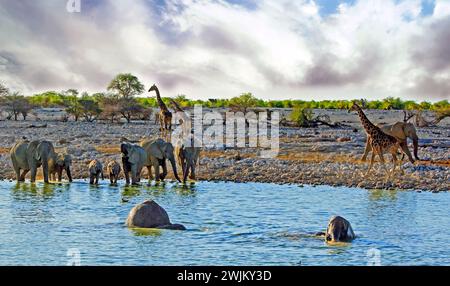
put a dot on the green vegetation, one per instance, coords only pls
(301, 116)
(122, 100)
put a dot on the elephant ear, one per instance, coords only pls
(410, 130)
(157, 150)
(36, 155)
(133, 155)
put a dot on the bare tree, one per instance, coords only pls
(407, 115)
(90, 109)
(439, 115)
(16, 104)
(110, 105)
(129, 107)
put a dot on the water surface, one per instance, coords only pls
(228, 224)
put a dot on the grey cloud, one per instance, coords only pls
(429, 87)
(431, 48)
(171, 80)
(324, 73)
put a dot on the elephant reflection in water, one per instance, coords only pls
(22, 190)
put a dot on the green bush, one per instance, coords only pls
(301, 116)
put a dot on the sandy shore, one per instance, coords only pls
(307, 155)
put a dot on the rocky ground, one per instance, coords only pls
(307, 155)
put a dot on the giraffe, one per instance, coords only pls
(184, 120)
(164, 115)
(379, 141)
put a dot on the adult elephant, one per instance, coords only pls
(402, 131)
(158, 151)
(134, 158)
(28, 156)
(187, 158)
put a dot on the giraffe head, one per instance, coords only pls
(354, 107)
(152, 88)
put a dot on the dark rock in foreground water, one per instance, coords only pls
(151, 215)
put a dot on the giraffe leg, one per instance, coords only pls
(382, 162)
(372, 159)
(394, 160)
(366, 150)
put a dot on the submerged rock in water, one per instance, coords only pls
(151, 215)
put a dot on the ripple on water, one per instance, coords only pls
(228, 223)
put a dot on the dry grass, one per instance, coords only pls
(443, 163)
(317, 157)
(4, 150)
(108, 149)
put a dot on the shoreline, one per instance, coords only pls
(307, 156)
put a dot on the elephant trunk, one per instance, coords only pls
(44, 161)
(416, 147)
(69, 175)
(174, 168)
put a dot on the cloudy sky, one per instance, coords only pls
(277, 49)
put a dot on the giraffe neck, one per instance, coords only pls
(160, 102)
(368, 126)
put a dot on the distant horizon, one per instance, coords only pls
(152, 95)
(276, 49)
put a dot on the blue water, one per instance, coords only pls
(228, 224)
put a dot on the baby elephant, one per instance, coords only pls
(113, 169)
(339, 230)
(62, 162)
(95, 170)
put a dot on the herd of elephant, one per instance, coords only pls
(28, 156)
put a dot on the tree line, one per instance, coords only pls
(121, 100)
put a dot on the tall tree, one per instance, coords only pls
(126, 85)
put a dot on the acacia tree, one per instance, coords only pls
(126, 86)
(129, 107)
(243, 102)
(16, 104)
(110, 105)
(90, 109)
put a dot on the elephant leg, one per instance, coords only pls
(134, 175)
(149, 173)
(59, 175)
(126, 170)
(17, 170)
(404, 146)
(33, 174)
(192, 176)
(157, 177)
(185, 171)
(366, 150)
(22, 177)
(127, 177)
(164, 166)
(111, 178)
(91, 179)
